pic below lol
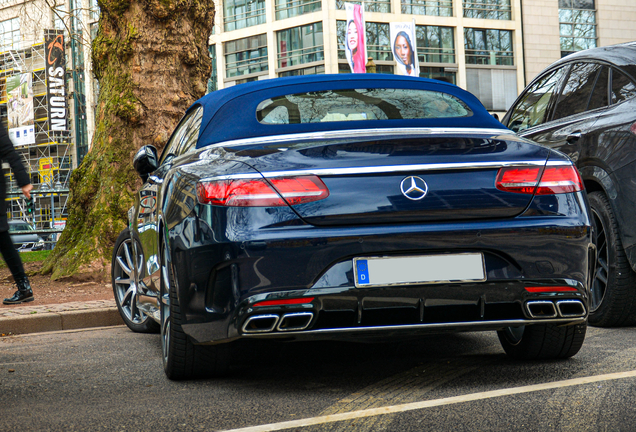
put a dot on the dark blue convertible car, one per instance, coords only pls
(352, 207)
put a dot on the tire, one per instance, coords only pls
(542, 341)
(125, 287)
(182, 359)
(613, 291)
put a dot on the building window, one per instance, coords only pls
(379, 68)
(9, 33)
(313, 70)
(369, 5)
(487, 9)
(435, 44)
(438, 73)
(378, 41)
(428, 7)
(292, 8)
(93, 9)
(213, 81)
(245, 56)
(58, 15)
(488, 47)
(239, 14)
(577, 25)
(300, 45)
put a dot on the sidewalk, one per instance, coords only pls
(55, 317)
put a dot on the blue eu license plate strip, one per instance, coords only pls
(415, 270)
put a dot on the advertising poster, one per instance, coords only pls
(20, 109)
(355, 38)
(403, 43)
(56, 79)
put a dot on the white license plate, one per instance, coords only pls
(412, 270)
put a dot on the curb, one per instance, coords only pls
(56, 321)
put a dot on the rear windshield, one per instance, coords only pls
(360, 104)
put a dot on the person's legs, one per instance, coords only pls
(12, 258)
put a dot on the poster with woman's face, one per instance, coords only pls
(355, 40)
(404, 48)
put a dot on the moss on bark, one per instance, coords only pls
(152, 62)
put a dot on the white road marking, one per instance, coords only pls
(433, 403)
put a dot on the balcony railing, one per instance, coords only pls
(244, 19)
(487, 9)
(428, 7)
(383, 6)
(294, 8)
(435, 55)
(247, 66)
(485, 57)
(300, 56)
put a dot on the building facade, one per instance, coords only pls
(475, 44)
(492, 48)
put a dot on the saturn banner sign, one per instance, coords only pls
(56, 80)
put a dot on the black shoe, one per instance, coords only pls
(19, 297)
(24, 294)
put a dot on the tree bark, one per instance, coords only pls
(151, 59)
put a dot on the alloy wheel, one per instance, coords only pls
(514, 334)
(125, 285)
(599, 284)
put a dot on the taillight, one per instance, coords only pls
(261, 192)
(539, 181)
(551, 289)
(285, 302)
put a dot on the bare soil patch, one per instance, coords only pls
(47, 291)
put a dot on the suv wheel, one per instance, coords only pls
(542, 341)
(613, 290)
(125, 286)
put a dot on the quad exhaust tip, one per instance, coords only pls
(295, 321)
(562, 308)
(570, 308)
(260, 324)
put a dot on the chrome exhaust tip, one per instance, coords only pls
(541, 309)
(295, 321)
(570, 308)
(260, 324)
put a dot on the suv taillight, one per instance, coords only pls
(539, 180)
(261, 192)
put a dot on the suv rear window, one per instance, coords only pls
(360, 104)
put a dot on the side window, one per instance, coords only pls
(191, 133)
(599, 94)
(176, 141)
(532, 107)
(577, 90)
(622, 87)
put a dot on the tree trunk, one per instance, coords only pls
(151, 59)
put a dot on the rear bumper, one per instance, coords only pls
(219, 281)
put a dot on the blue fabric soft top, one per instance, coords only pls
(230, 114)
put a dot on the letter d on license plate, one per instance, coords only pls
(413, 270)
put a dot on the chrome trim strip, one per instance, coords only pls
(476, 324)
(354, 133)
(387, 169)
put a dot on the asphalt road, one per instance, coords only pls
(111, 379)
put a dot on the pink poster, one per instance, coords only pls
(355, 40)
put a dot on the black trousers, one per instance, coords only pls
(11, 256)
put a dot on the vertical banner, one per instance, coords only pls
(404, 49)
(355, 38)
(20, 109)
(55, 58)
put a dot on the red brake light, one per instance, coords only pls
(550, 289)
(539, 181)
(261, 192)
(284, 302)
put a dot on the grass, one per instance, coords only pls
(33, 256)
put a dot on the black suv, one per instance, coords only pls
(585, 106)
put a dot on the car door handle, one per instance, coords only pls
(573, 137)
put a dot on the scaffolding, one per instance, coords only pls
(49, 160)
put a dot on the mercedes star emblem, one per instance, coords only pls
(414, 188)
